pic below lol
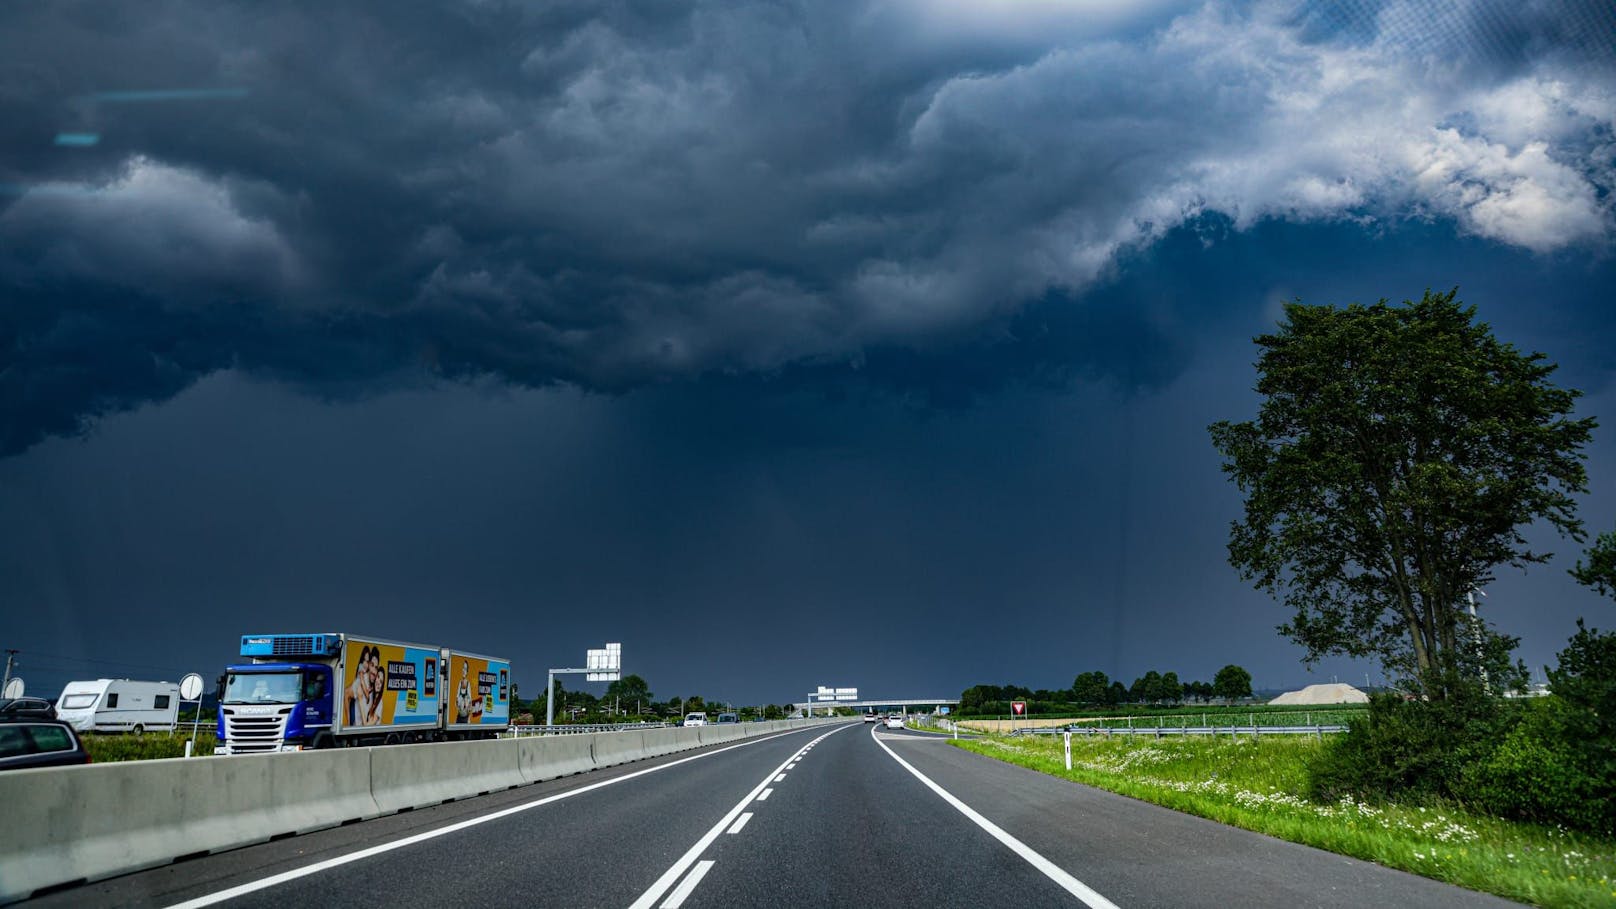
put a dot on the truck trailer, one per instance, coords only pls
(119, 705)
(306, 691)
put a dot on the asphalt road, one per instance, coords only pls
(829, 816)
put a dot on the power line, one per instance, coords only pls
(24, 654)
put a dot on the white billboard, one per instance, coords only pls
(605, 665)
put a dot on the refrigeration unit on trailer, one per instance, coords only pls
(323, 690)
(119, 705)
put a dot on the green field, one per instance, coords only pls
(1261, 785)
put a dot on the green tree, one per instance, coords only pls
(1586, 679)
(1090, 688)
(1117, 695)
(629, 692)
(1146, 689)
(1397, 454)
(1170, 691)
(1600, 570)
(1232, 683)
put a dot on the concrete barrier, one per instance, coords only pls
(551, 756)
(612, 748)
(413, 776)
(668, 741)
(70, 823)
(715, 735)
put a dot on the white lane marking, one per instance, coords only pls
(1051, 870)
(688, 885)
(317, 867)
(780, 779)
(764, 795)
(740, 822)
(650, 896)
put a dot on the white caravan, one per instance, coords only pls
(119, 705)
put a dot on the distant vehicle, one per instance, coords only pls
(119, 705)
(870, 718)
(728, 718)
(895, 721)
(696, 719)
(39, 743)
(25, 709)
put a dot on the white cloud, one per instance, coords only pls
(164, 230)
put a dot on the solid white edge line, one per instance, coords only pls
(740, 822)
(285, 876)
(1050, 870)
(688, 885)
(651, 895)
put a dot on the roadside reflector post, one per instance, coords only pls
(1068, 751)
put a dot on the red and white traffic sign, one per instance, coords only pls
(1019, 708)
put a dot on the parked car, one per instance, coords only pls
(39, 743)
(895, 721)
(696, 719)
(26, 709)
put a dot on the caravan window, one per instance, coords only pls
(112, 700)
(160, 702)
(78, 701)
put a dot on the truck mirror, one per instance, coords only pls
(218, 687)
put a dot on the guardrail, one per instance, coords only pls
(581, 728)
(62, 825)
(1255, 731)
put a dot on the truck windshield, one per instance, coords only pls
(262, 687)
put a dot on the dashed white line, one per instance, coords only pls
(780, 779)
(764, 795)
(651, 895)
(687, 886)
(740, 822)
(285, 876)
(1051, 870)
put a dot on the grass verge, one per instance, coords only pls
(1261, 786)
(146, 746)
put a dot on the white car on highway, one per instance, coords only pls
(870, 718)
(696, 719)
(895, 721)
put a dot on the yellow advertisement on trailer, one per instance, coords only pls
(478, 692)
(388, 684)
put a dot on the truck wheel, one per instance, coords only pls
(322, 741)
(392, 739)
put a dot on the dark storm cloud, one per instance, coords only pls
(932, 196)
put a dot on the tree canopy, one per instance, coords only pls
(1232, 683)
(1398, 453)
(1599, 572)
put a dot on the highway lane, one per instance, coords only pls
(819, 817)
(599, 845)
(1138, 854)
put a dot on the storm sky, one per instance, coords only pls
(867, 342)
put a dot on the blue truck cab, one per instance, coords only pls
(279, 704)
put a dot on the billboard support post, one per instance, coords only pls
(603, 665)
